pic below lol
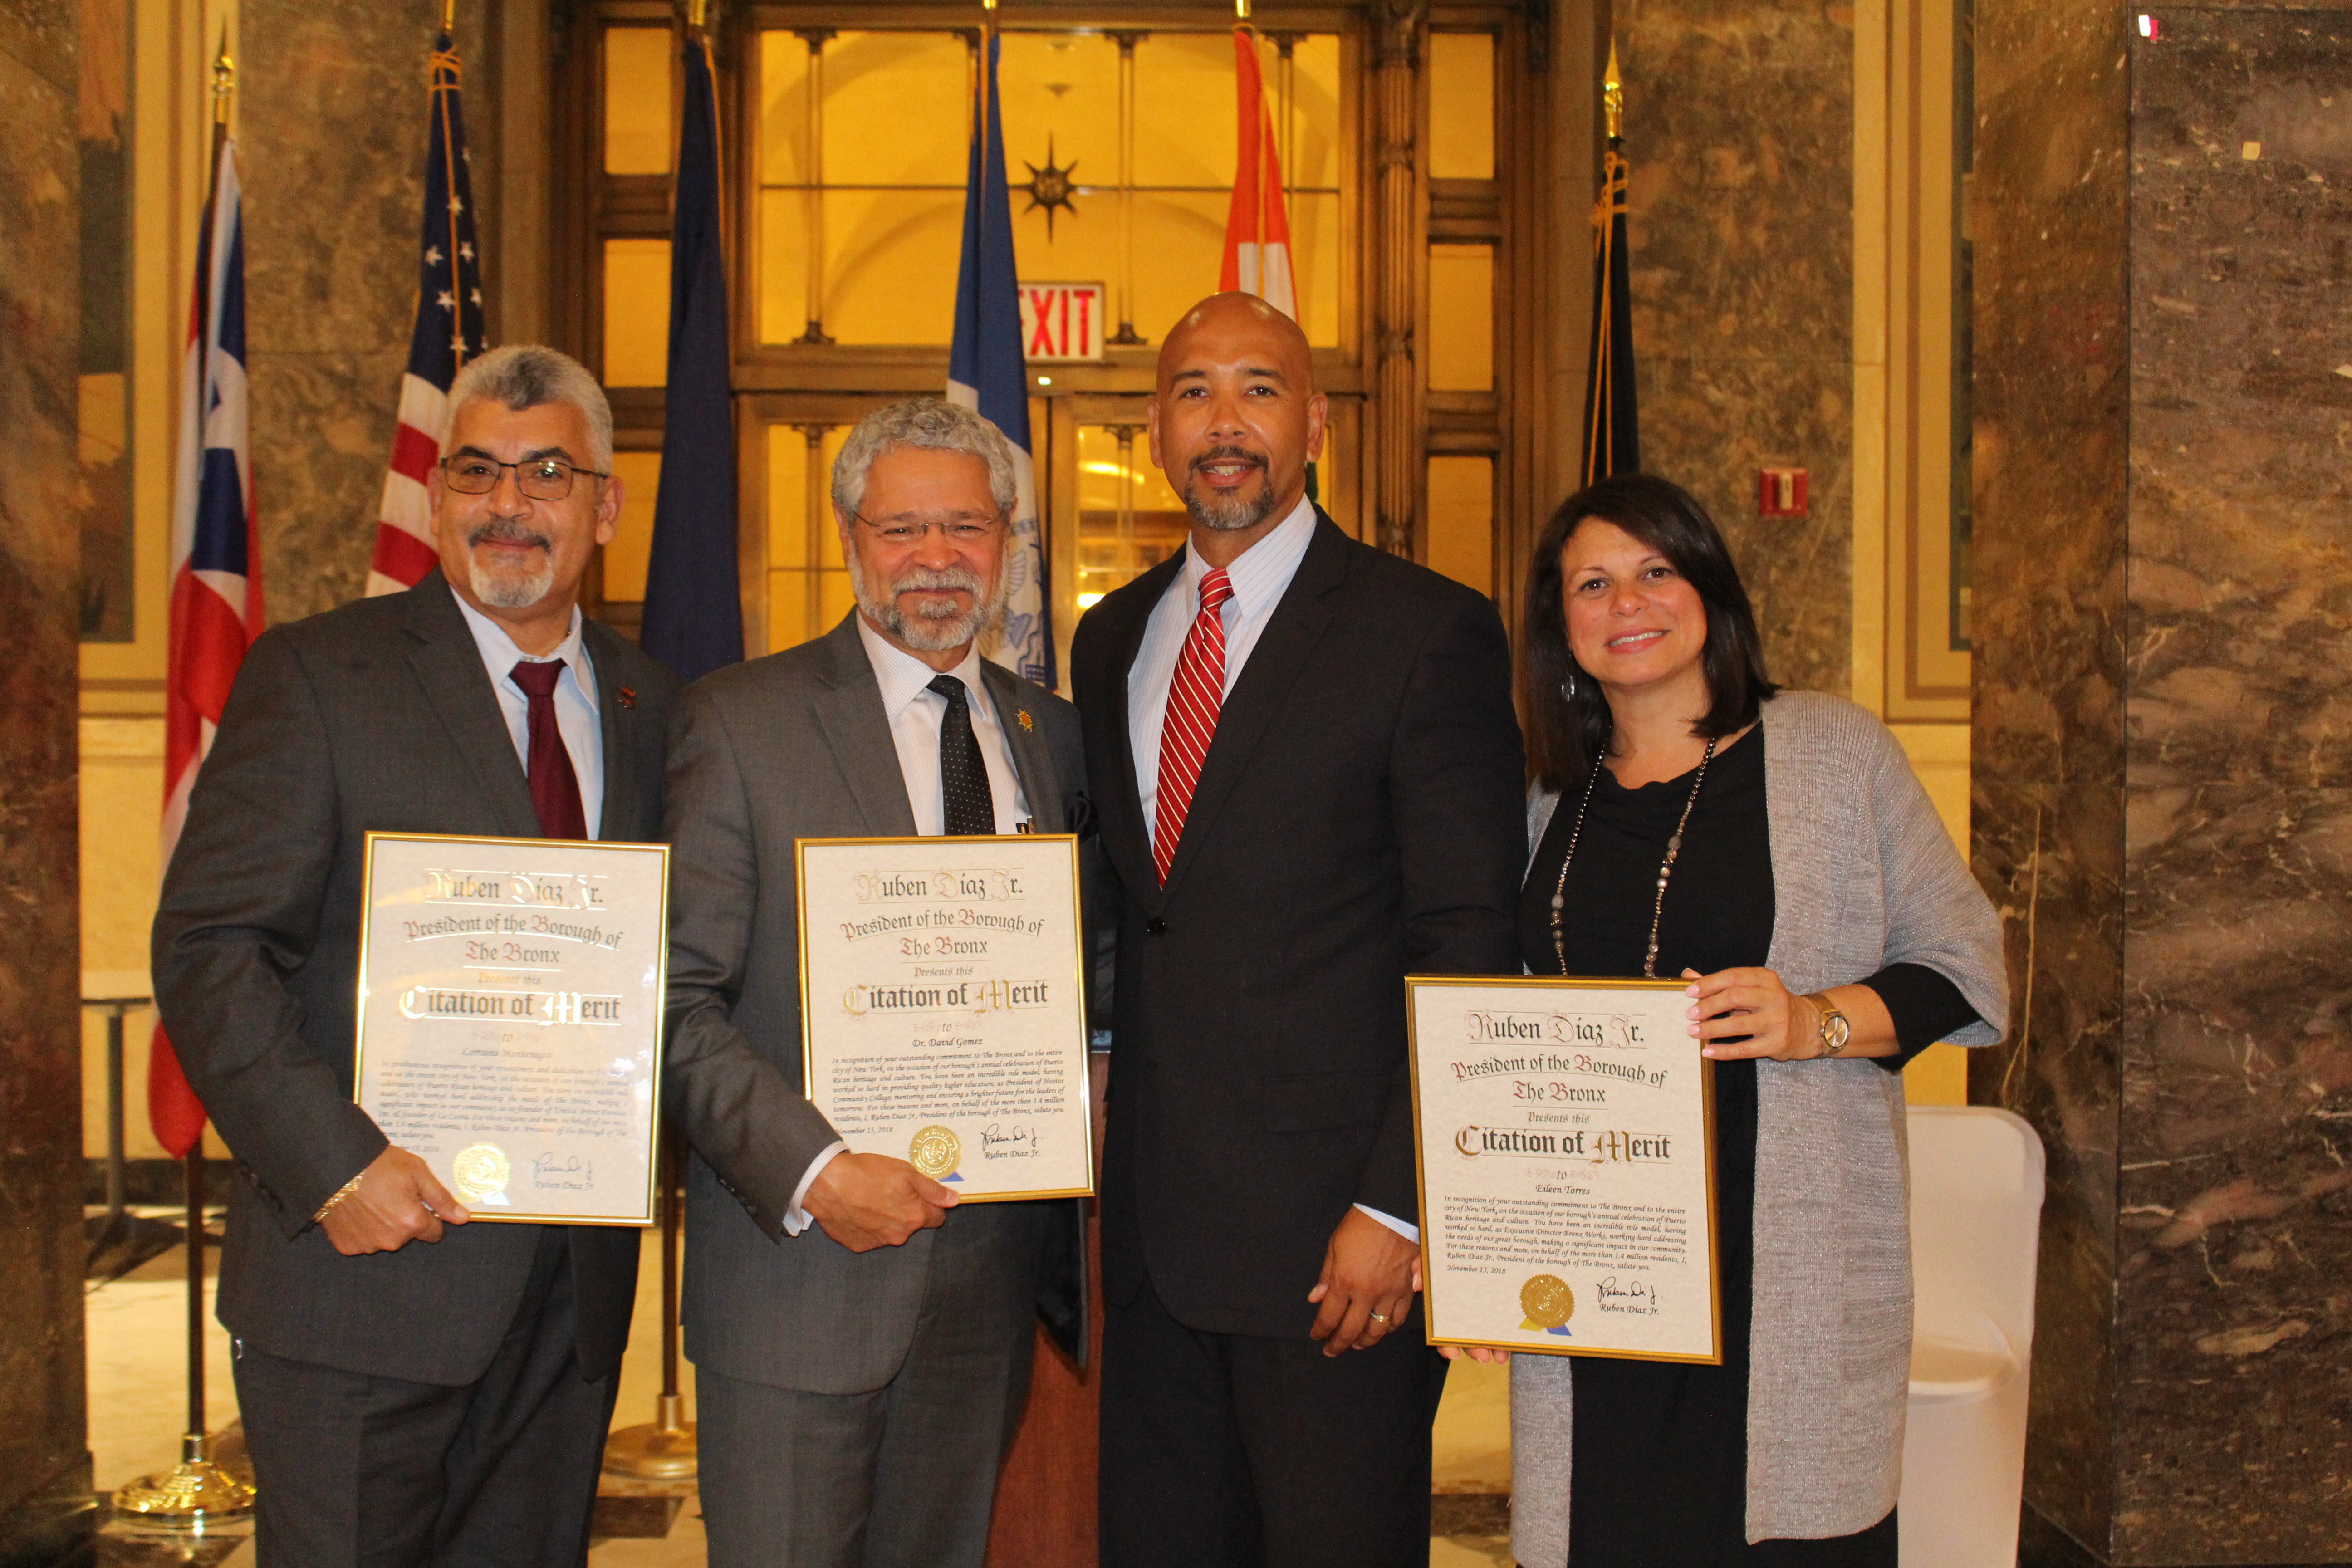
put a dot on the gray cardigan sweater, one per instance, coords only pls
(1830, 1331)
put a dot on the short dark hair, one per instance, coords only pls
(1565, 734)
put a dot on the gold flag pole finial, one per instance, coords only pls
(1241, 10)
(1612, 95)
(697, 16)
(223, 81)
(449, 18)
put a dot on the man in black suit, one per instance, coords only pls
(1306, 767)
(415, 1389)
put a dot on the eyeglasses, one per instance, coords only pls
(955, 528)
(540, 478)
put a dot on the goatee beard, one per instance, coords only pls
(510, 589)
(1229, 514)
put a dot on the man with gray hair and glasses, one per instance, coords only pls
(861, 1345)
(415, 1389)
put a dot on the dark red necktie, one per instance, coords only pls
(554, 787)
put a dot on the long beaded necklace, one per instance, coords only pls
(1665, 866)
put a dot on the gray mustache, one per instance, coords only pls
(506, 530)
(938, 580)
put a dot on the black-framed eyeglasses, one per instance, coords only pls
(540, 478)
(955, 528)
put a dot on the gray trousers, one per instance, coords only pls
(904, 1475)
(356, 1471)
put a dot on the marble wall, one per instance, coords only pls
(2161, 740)
(43, 1453)
(332, 130)
(1739, 126)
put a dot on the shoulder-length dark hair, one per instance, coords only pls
(1565, 734)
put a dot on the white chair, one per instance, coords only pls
(1976, 1219)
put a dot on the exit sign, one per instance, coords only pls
(1062, 321)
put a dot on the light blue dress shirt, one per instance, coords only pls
(576, 719)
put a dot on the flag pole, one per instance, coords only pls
(665, 1449)
(196, 1490)
(987, 101)
(1611, 436)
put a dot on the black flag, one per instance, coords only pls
(1612, 438)
(694, 610)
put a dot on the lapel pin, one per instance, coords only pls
(1027, 722)
(628, 697)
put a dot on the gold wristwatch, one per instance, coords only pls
(1836, 1030)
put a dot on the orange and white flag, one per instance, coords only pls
(1257, 227)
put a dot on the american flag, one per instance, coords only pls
(448, 330)
(215, 565)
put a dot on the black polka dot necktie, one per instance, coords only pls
(963, 777)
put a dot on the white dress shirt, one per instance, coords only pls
(576, 719)
(916, 714)
(1259, 576)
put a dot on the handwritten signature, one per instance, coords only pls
(1637, 1296)
(549, 1171)
(1014, 1142)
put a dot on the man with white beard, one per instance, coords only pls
(861, 1345)
(415, 1388)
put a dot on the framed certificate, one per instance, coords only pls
(943, 1010)
(1565, 1141)
(511, 1018)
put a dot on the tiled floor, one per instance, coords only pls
(138, 1404)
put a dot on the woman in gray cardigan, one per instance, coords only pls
(1778, 852)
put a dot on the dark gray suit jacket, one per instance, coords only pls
(376, 716)
(796, 745)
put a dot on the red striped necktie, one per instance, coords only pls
(1193, 699)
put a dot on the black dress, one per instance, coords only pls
(1660, 1449)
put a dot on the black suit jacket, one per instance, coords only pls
(378, 715)
(1358, 819)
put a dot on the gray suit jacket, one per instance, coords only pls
(376, 716)
(763, 754)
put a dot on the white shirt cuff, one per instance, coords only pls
(796, 1218)
(1410, 1232)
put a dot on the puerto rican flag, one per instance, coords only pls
(215, 565)
(448, 330)
(1257, 226)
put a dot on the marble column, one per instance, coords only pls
(1739, 125)
(45, 1473)
(331, 99)
(2163, 723)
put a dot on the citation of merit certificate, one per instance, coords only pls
(944, 1013)
(1565, 1141)
(510, 1019)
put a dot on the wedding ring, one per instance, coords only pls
(1379, 1317)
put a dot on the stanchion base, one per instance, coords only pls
(189, 1496)
(652, 1452)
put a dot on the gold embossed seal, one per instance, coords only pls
(1547, 1300)
(935, 1151)
(479, 1171)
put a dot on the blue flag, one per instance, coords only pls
(693, 607)
(987, 371)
